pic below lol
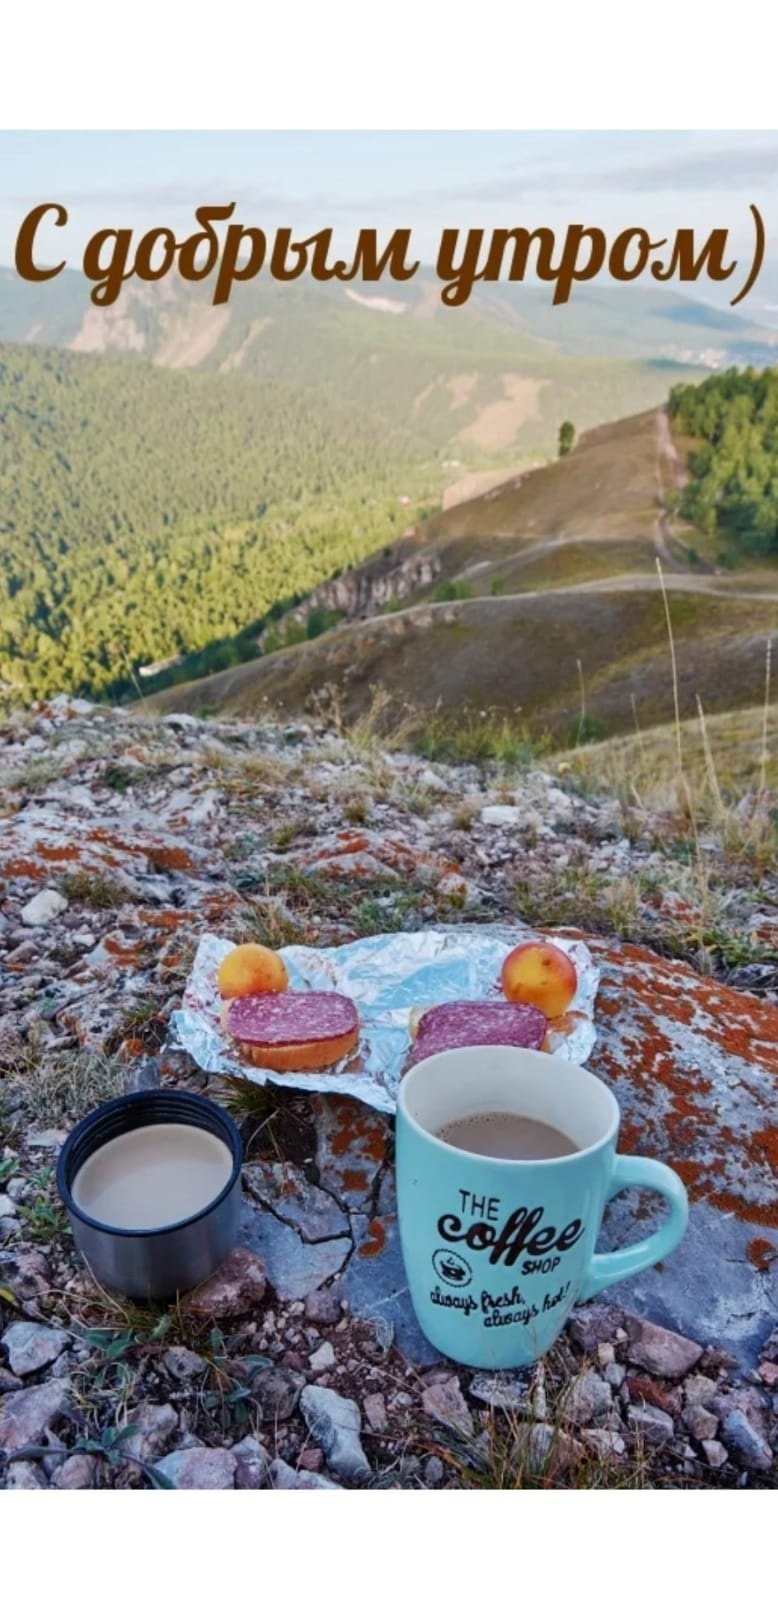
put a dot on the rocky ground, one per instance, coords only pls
(300, 1365)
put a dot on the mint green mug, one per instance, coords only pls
(496, 1251)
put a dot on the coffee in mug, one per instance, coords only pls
(506, 1160)
(506, 1135)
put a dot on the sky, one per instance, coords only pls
(426, 181)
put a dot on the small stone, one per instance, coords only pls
(24, 1417)
(233, 1290)
(375, 1411)
(501, 816)
(182, 1363)
(155, 1424)
(30, 1346)
(200, 1468)
(310, 1460)
(445, 1403)
(434, 1472)
(252, 1464)
(334, 1423)
(606, 1443)
(715, 1453)
(25, 1475)
(278, 1390)
(614, 1374)
(747, 1444)
(768, 1372)
(78, 1472)
(285, 1477)
(322, 1359)
(589, 1397)
(697, 1389)
(701, 1424)
(541, 1448)
(323, 1306)
(652, 1424)
(7, 1207)
(43, 908)
(605, 1354)
(659, 1350)
(590, 1326)
(501, 1393)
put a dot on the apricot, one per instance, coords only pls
(539, 974)
(251, 969)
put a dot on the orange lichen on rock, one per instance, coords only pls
(375, 1238)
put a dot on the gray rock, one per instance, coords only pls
(375, 1286)
(747, 1444)
(293, 1266)
(277, 1390)
(374, 1408)
(200, 1468)
(589, 1396)
(25, 1416)
(541, 1448)
(182, 1363)
(7, 1207)
(503, 1394)
(614, 1374)
(25, 1475)
(323, 1305)
(715, 1454)
(322, 1359)
(607, 1443)
(701, 1424)
(43, 908)
(659, 1350)
(155, 1424)
(335, 1423)
(252, 1469)
(444, 1403)
(30, 1346)
(8, 1383)
(281, 1187)
(78, 1472)
(285, 1477)
(590, 1326)
(652, 1424)
(698, 1389)
(434, 1472)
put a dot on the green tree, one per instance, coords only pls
(566, 438)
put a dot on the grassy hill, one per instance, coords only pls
(573, 548)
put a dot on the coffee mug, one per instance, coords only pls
(496, 1251)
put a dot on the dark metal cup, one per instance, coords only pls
(153, 1263)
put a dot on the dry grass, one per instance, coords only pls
(56, 1089)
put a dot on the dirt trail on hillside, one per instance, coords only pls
(667, 453)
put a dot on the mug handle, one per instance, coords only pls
(641, 1173)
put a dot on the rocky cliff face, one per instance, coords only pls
(123, 840)
(370, 588)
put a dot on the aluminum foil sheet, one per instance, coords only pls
(389, 978)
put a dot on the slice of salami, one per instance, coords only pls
(471, 1022)
(295, 1017)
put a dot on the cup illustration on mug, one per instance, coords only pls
(506, 1160)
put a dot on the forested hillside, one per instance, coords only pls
(143, 511)
(733, 489)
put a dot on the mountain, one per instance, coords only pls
(494, 376)
(542, 603)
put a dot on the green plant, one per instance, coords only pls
(93, 889)
(110, 1445)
